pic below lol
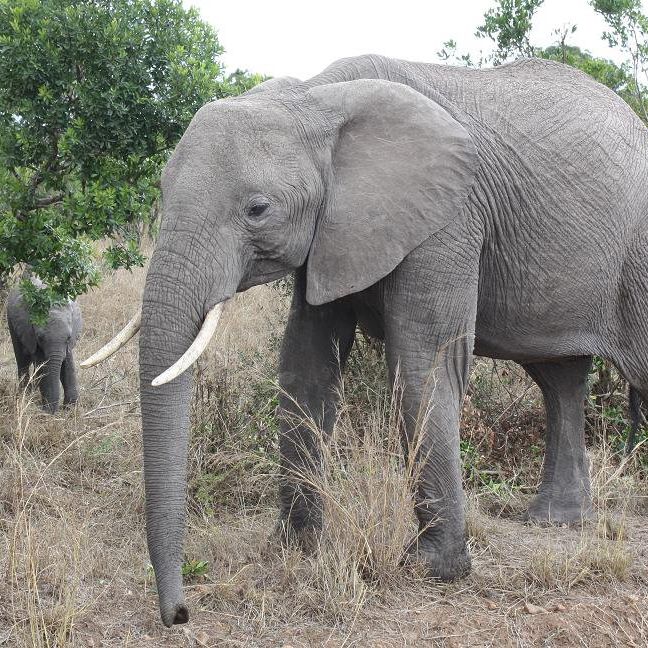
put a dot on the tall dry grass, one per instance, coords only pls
(366, 485)
(75, 570)
(47, 534)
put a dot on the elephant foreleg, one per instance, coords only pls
(564, 496)
(316, 344)
(430, 315)
(69, 380)
(23, 359)
(431, 403)
(636, 418)
(49, 383)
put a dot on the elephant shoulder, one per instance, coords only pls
(19, 321)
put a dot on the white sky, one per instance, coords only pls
(300, 38)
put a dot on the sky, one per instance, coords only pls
(300, 37)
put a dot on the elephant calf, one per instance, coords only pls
(49, 347)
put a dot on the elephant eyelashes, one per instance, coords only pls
(258, 209)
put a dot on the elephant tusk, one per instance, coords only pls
(116, 343)
(192, 354)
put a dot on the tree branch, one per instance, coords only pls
(39, 203)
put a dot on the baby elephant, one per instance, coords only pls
(48, 347)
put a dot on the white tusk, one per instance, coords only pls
(116, 343)
(192, 354)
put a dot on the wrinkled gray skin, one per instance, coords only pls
(445, 210)
(50, 346)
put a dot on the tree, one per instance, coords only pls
(241, 81)
(629, 32)
(603, 70)
(508, 25)
(93, 96)
(449, 54)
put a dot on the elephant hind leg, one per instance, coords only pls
(564, 496)
(630, 351)
(636, 418)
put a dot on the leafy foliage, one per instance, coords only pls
(628, 31)
(93, 95)
(240, 81)
(193, 569)
(449, 54)
(616, 77)
(508, 25)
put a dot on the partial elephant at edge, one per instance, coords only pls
(453, 210)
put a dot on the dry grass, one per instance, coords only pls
(72, 550)
(366, 488)
(561, 568)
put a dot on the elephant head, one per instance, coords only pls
(347, 178)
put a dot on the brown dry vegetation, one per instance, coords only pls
(72, 547)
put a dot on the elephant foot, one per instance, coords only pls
(300, 517)
(50, 408)
(304, 537)
(571, 510)
(444, 565)
(70, 402)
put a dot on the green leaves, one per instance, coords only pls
(508, 24)
(126, 255)
(238, 82)
(192, 569)
(602, 70)
(94, 94)
(629, 32)
(67, 263)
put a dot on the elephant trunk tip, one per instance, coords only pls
(174, 614)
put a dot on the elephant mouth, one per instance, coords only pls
(195, 350)
(261, 279)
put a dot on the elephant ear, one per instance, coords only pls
(401, 169)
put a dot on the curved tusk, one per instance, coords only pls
(116, 343)
(192, 354)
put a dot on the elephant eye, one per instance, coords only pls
(258, 209)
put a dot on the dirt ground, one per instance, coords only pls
(73, 558)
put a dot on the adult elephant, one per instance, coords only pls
(447, 210)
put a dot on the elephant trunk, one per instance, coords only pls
(50, 382)
(170, 322)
